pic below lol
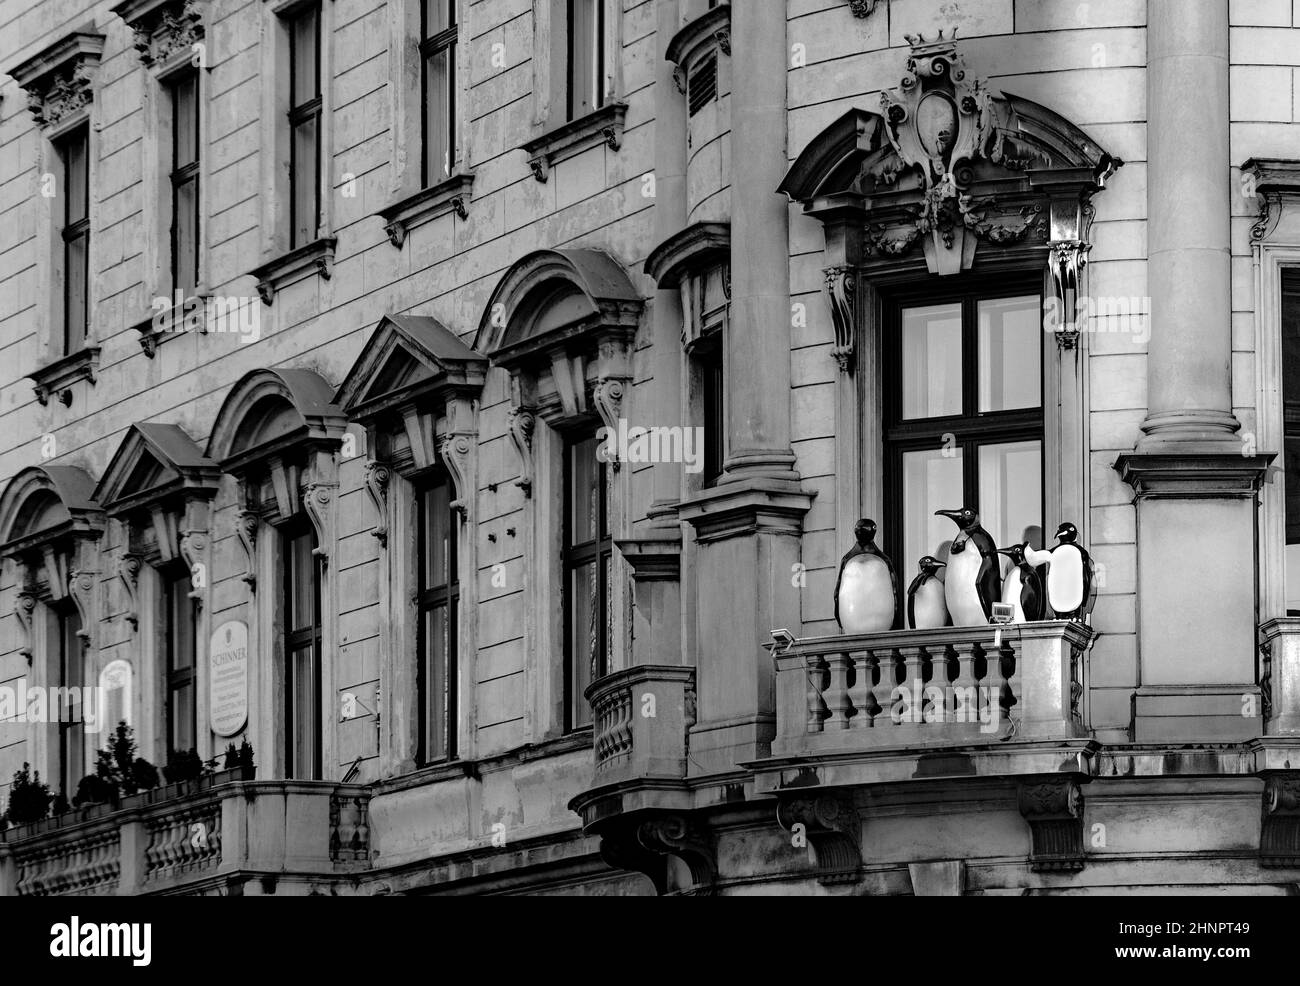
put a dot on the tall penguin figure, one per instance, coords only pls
(1022, 587)
(926, 608)
(974, 581)
(1071, 583)
(866, 592)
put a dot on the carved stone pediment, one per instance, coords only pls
(59, 80)
(163, 28)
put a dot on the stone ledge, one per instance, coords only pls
(773, 506)
(429, 203)
(1206, 472)
(316, 257)
(602, 125)
(696, 246)
(58, 377)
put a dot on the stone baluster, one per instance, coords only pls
(837, 691)
(815, 668)
(860, 693)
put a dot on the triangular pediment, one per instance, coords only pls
(153, 461)
(407, 355)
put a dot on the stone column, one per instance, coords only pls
(758, 386)
(669, 219)
(1195, 480)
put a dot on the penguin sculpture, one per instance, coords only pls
(1022, 588)
(974, 581)
(866, 592)
(926, 608)
(1071, 584)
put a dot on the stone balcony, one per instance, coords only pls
(217, 836)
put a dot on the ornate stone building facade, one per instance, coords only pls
(312, 312)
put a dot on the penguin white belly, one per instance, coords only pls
(1011, 588)
(959, 588)
(928, 607)
(1065, 580)
(866, 595)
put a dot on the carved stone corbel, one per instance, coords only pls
(24, 607)
(522, 422)
(1279, 837)
(193, 544)
(1054, 810)
(318, 501)
(455, 452)
(419, 432)
(377, 479)
(679, 836)
(608, 398)
(246, 525)
(833, 829)
(56, 572)
(128, 573)
(81, 587)
(842, 292)
(166, 532)
(1065, 262)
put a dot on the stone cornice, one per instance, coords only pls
(712, 28)
(1193, 474)
(316, 257)
(451, 195)
(602, 125)
(162, 28)
(56, 378)
(698, 245)
(58, 80)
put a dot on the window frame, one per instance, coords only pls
(292, 639)
(68, 669)
(573, 556)
(427, 599)
(186, 174)
(71, 231)
(444, 41)
(309, 111)
(596, 67)
(175, 590)
(973, 428)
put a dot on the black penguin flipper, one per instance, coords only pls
(988, 585)
(911, 598)
(1031, 594)
(1089, 585)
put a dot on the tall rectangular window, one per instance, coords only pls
(586, 560)
(67, 669)
(302, 632)
(179, 612)
(74, 151)
(1291, 431)
(185, 182)
(438, 597)
(963, 417)
(586, 57)
(714, 407)
(304, 125)
(438, 81)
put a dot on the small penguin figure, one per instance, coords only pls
(866, 592)
(1071, 584)
(974, 581)
(1022, 587)
(926, 608)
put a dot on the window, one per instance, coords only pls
(586, 57)
(438, 81)
(438, 596)
(185, 182)
(1291, 431)
(302, 639)
(74, 151)
(304, 125)
(702, 84)
(963, 417)
(587, 624)
(179, 616)
(67, 671)
(712, 397)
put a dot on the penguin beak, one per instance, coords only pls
(941, 564)
(1005, 551)
(950, 514)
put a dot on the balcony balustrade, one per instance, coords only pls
(917, 688)
(196, 837)
(640, 718)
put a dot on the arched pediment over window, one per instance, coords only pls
(949, 167)
(50, 525)
(563, 322)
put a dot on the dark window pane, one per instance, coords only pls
(586, 634)
(1291, 430)
(435, 681)
(182, 726)
(76, 168)
(436, 501)
(76, 282)
(1010, 360)
(931, 481)
(305, 171)
(304, 50)
(438, 16)
(714, 413)
(185, 121)
(303, 579)
(186, 239)
(305, 713)
(586, 49)
(439, 114)
(932, 361)
(1011, 491)
(586, 489)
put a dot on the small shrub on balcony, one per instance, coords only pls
(240, 758)
(118, 772)
(29, 799)
(183, 765)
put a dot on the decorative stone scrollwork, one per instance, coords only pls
(1054, 810)
(834, 831)
(81, 587)
(1065, 262)
(318, 501)
(841, 290)
(192, 546)
(455, 452)
(522, 422)
(862, 8)
(128, 573)
(723, 38)
(378, 476)
(608, 398)
(246, 525)
(175, 29)
(679, 836)
(1279, 837)
(24, 607)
